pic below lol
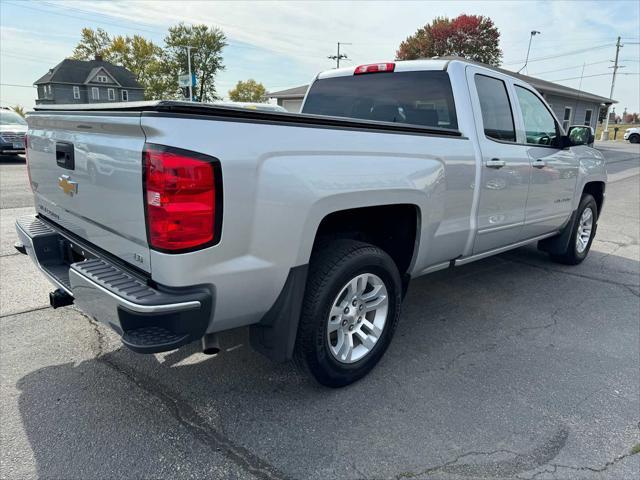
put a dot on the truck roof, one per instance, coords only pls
(401, 66)
(442, 63)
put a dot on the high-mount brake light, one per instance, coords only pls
(183, 199)
(374, 68)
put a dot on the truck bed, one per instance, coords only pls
(217, 112)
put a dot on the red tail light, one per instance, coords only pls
(374, 68)
(183, 199)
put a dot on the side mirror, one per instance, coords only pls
(580, 135)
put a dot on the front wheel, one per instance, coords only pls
(584, 231)
(350, 311)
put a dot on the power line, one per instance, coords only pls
(16, 85)
(125, 26)
(570, 68)
(25, 57)
(564, 54)
(151, 28)
(595, 75)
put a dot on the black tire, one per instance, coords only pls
(572, 255)
(331, 267)
(635, 138)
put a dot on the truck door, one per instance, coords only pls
(554, 170)
(505, 171)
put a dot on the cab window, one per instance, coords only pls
(539, 125)
(496, 108)
(418, 98)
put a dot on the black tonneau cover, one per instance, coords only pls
(213, 112)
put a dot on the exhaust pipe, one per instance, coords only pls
(210, 344)
(60, 298)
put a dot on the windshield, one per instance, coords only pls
(11, 118)
(418, 98)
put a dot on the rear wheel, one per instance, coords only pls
(350, 311)
(584, 230)
(635, 138)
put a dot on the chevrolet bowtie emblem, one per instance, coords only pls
(68, 186)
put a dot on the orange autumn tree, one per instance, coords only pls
(470, 36)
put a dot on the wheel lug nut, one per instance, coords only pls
(360, 307)
(354, 303)
(350, 327)
(359, 319)
(344, 323)
(346, 310)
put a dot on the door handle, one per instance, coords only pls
(495, 163)
(539, 164)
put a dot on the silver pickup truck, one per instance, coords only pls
(173, 221)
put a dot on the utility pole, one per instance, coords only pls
(339, 56)
(605, 130)
(189, 47)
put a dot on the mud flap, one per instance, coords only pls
(275, 335)
(558, 244)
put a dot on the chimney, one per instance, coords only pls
(98, 57)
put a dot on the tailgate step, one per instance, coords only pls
(153, 339)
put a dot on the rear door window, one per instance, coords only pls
(417, 98)
(497, 116)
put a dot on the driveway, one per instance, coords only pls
(510, 367)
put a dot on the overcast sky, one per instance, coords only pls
(283, 44)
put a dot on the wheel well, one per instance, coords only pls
(596, 190)
(389, 227)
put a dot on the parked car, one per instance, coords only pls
(632, 134)
(306, 228)
(13, 128)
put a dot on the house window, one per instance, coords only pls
(76, 93)
(95, 93)
(587, 117)
(102, 79)
(124, 94)
(112, 94)
(566, 120)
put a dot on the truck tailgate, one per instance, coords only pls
(86, 174)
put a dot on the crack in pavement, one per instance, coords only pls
(522, 462)
(578, 275)
(600, 469)
(11, 314)
(488, 348)
(554, 322)
(187, 416)
(596, 469)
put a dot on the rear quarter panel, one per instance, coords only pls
(280, 181)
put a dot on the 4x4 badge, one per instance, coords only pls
(67, 185)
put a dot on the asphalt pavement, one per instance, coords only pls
(510, 367)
